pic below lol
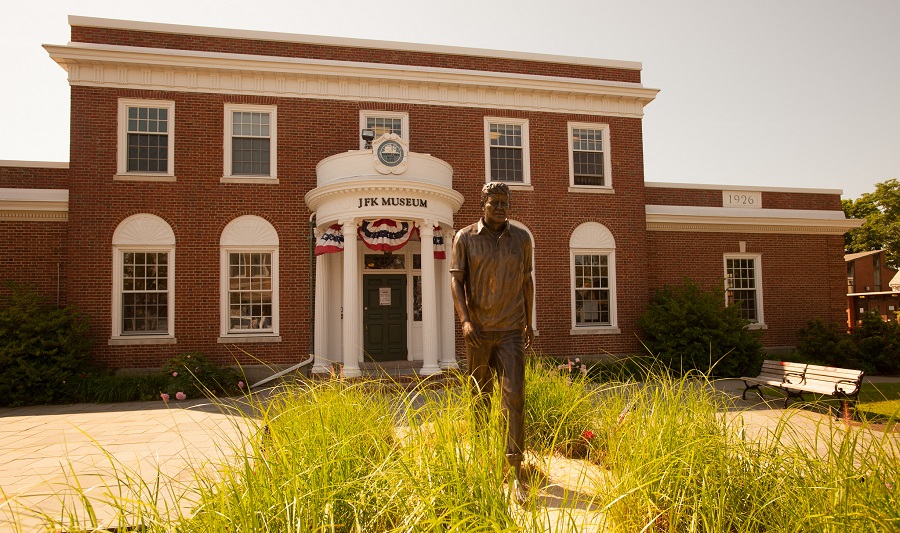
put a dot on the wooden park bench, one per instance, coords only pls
(794, 379)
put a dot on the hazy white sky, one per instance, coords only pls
(792, 93)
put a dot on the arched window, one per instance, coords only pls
(249, 280)
(533, 276)
(143, 308)
(593, 279)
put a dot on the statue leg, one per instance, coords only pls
(511, 373)
(481, 375)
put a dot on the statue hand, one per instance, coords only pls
(529, 336)
(471, 334)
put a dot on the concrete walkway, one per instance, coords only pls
(45, 451)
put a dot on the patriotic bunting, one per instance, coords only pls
(331, 241)
(385, 235)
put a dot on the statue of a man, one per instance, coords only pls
(492, 287)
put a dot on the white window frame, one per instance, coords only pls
(142, 233)
(122, 172)
(228, 131)
(526, 156)
(613, 326)
(757, 274)
(373, 113)
(607, 159)
(235, 239)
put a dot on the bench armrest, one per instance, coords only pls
(856, 385)
(792, 374)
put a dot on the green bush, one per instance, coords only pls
(873, 346)
(105, 387)
(559, 414)
(195, 376)
(41, 348)
(689, 328)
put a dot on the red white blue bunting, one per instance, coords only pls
(385, 235)
(331, 241)
(438, 240)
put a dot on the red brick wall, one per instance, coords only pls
(804, 276)
(34, 178)
(198, 207)
(120, 37)
(770, 200)
(864, 274)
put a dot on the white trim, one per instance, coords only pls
(607, 158)
(117, 337)
(37, 205)
(75, 20)
(374, 113)
(732, 220)
(760, 322)
(228, 134)
(122, 150)
(593, 238)
(526, 153)
(33, 164)
(287, 77)
(710, 187)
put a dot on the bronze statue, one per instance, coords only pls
(492, 287)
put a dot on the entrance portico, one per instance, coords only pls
(393, 195)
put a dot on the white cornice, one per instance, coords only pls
(317, 196)
(344, 41)
(39, 205)
(729, 220)
(33, 164)
(710, 187)
(192, 71)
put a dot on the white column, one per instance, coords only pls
(321, 364)
(448, 311)
(430, 331)
(351, 326)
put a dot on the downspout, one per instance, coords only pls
(312, 284)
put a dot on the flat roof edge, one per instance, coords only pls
(713, 187)
(33, 164)
(158, 27)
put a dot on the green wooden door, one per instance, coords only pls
(384, 317)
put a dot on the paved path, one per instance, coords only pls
(42, 447)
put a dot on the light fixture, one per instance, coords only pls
(368, 136)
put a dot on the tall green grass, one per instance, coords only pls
(342, 456)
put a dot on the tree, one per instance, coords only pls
(881, 230)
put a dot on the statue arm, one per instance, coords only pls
(458, 289)
(528, 291)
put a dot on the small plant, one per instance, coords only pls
(42, 348)
(192, 375)
(558, 408)
(690, 328)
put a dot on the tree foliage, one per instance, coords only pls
(42, 347)
(881, 229)
(690, 328)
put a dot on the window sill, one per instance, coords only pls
(513, 186)
(259, 180)
(249, 339)
(144, 177)
(607, 330)
(583, 189)
(757, 326)
(138, 340)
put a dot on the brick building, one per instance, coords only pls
(220, 197)
(872, 287)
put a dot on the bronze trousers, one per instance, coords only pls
(502, 353)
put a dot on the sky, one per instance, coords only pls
(778, 93)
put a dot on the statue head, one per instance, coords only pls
(495, 204)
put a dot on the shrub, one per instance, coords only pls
(41, 348)
(194, 375)
(877, 345)
(558, 410)
(690, 328)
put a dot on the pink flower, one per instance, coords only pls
(587, 434)
(584, 369)
(174, 374)
(180, 396)
(164, 396)
(577, 360)
(241, 385)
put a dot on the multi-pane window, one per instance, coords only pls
(876, 272)
(587, 156)
(382, 122)
(251, 143)
(507, 160)
(250, 291)
(742, 286)
(146, 139)
(145, 293)
(592, 290)
(851, 277)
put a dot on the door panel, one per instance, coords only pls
(384, 317)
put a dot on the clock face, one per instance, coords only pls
(390, 153)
